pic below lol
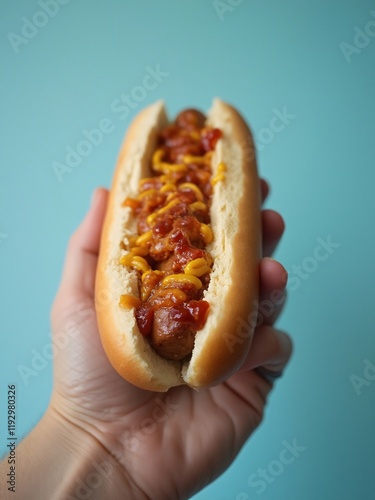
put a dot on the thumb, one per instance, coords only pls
(81, 259)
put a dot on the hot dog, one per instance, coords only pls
(180, 249)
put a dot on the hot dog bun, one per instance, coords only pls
(233, 289)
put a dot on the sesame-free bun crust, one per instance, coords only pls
(222, 345)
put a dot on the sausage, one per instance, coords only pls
(190, 119)
(167, 337)
(171, 237)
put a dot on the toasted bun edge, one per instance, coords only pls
(222, 345)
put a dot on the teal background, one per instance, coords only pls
(261, 55)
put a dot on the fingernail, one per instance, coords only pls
(286, 344)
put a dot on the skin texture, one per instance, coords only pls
(155, 445)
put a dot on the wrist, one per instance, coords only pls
(60, 460)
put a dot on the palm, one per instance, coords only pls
(181, 431)
(83, 373)
(148, 425)
(195, 443)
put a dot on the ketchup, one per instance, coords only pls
(173, 230)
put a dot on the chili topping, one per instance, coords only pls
(173, 231)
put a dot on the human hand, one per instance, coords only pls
(167, 445)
